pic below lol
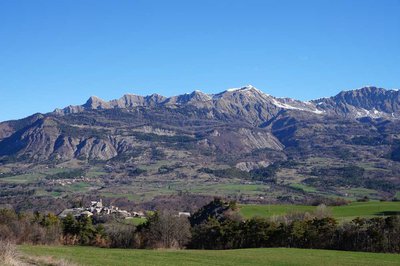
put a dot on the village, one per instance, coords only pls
(97, 208)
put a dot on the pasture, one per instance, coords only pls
(263, 256)
(346, 212)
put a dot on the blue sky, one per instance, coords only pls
(54, 53)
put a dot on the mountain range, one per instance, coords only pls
(334, 144)
(65, 133)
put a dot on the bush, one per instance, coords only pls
(8, 253)
(34, 229)
(363, 199)
(329, 202)
(82, 231)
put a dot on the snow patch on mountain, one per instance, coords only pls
(287, 106)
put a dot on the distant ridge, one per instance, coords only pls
(364, 102)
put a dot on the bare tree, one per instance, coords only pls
(322, 211)
(120, 235)
(167, 231)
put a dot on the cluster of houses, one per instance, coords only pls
(97, 208)
(70, 181)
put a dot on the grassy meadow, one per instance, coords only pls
(347, 212)
(270, 256)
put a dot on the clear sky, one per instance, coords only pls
(54, 53)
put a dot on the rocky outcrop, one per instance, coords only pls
(95, 149)
(95, 102)
(45, 140)
(238, 140)
(365, 102)
(248, 166)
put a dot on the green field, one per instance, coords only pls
(22, 179)
(136, 220)
(355, 209)
(271, 256)
(217, 189)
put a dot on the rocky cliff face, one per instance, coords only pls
(365, 102)
(256, 106)
(232, 122)
(246, 103)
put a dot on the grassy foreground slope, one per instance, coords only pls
(355, 209)
(271, 256)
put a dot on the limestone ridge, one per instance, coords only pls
(235, 121)
(367, 101)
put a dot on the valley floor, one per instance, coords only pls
(263, 256)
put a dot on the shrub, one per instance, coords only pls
(8, 253)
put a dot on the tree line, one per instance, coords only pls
(217, 225)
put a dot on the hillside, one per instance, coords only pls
(241, 143)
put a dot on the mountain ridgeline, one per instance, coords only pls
(244, 119)
(351, 139)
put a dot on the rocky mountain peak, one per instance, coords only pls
(95, 102)
(243, 89)
(248, 91)
(367, 101)
(128, 100)
(363, 92)
(199, 96)
(157, 97)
